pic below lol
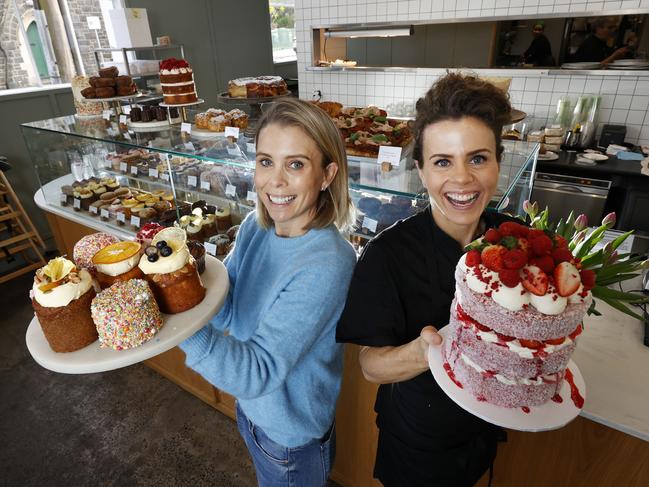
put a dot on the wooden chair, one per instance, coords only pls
(17, 232)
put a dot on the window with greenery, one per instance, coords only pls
(282, 29)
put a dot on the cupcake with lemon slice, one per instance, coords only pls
(171, 271)
(117, 262)
(61, 297)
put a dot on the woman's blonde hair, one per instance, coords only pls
(334, 204)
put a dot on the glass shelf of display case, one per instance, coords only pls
(73, 155)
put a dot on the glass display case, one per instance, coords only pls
(102, 174)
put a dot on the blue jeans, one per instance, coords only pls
(278, 466)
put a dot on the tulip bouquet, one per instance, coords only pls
(609, 266)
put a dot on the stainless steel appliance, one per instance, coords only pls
(563, 194)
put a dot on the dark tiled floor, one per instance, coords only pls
(129, 427)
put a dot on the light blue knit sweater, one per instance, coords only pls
(280, 359)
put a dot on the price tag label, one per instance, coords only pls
(389, 154)
(63, 198)
(234, 150)
(232, 132)
(126, 109)
(189, 146)
(153, 173)
(122, 119)
(370, 224)
(164, 176)
(123, 167)
(121, 217)
(94, 209)
(135, 221)
(77, 203)
(134, 170)
(251, 147)
(127, 136)
(251, 196)
(210, 248)
(186, 127)
(104, 213)
(205, 185)
(106, 114)
(230, 190)
(192, 181)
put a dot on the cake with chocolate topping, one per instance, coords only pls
(519, 303)
(61, 297)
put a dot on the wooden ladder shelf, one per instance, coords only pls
(18, 234)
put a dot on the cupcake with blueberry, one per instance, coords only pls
(172, 272)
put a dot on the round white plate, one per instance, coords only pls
(152, 125)
(593, 156)
(206, 134)
(197, 102)
(176, 328)
(549, 416)
(548, 156)
(115, 98)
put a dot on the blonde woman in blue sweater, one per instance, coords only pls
(289, 273)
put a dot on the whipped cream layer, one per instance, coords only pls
(515, 381)
(164, 265)
(482, 280)
(176, 71)
(64, 294)
(118, 268)
(519, 349)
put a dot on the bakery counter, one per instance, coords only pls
(613, 360)
(567, 164)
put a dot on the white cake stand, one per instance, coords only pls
(549, 416)
(176, 328)
(183, 107)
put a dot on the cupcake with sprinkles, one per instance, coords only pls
(126, 315)
(88, 246)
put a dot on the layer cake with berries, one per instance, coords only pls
(519, 303)
(177, 82)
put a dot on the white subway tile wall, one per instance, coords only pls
(625, 100)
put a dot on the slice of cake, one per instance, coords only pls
(177, 81)
(519, 303)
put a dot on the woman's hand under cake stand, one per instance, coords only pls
(176, 328)
(554, 414)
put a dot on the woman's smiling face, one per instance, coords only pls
(460, 171)
(289, 177)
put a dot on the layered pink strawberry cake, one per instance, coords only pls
(519, 303)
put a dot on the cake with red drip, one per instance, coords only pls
(519, 303)
(177, 81)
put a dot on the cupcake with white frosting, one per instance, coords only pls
(61, 297)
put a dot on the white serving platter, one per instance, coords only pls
(549, 416)
(176, 328)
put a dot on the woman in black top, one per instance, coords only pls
(403, 285)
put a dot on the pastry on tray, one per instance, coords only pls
(61, 297)
(126, 315)
(171, 271)
(88, 246)
(117, 262)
